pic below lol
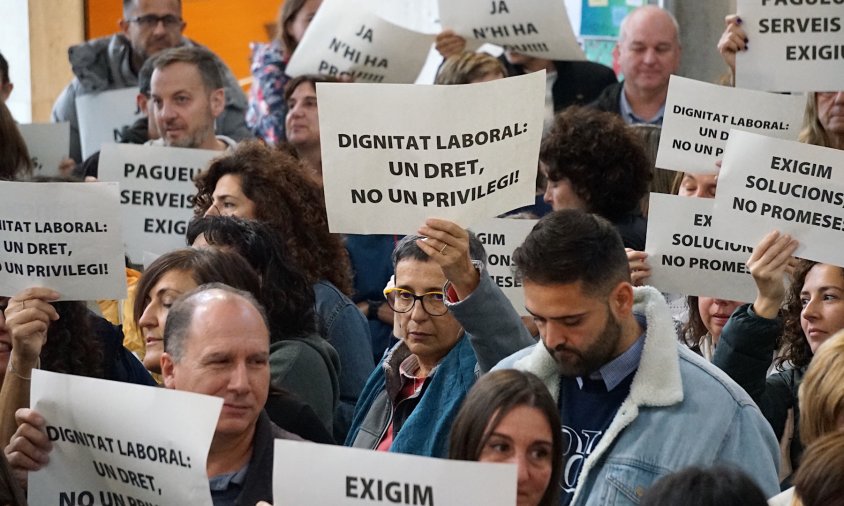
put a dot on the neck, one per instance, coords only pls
(645, 103)
(213, 143)
(311, 157)
(630, 332)
(228, 454)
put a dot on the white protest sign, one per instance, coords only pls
(48, 144)
(539, 28)
(686, 257)
(793, 45)
(64, 236)
(699, 116)
(347, 39)
(417, 15)
(796, 188)
(102, 115)
(118, 443)
(357, 476)
(412, 155)
(501, 237)
(156, 193)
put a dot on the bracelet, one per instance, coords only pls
(11, 369)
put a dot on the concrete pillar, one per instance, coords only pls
(701, 24)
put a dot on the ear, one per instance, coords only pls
(168, 370)
(218, 101)
(141, 101)
(621, 299)
(124, 26)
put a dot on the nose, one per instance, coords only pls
(147, 320)
(650, 56)
(159, 28)
(239, 379)
(839, 97)
(810, 311)
(553, 335)
(418, 312)
(522, 468)
(547, 197)
(212, 211)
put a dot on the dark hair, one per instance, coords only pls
(697, 486)
(694, 329)
(207, 265)
(4, 70)
(794, 347)
(818, 479)
(288, 11)
(14, 156)
(289, 199)
(465, 67)
(145, 77)
(205, 61)
(601, 156)
(572, 245)
(407, 248)
(494, 396)
(72, 347)
(285, 290)
(294, 83)
(181, 314)
(129, 4)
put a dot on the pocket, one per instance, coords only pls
(625, 482)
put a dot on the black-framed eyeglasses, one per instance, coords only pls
(402, 301)
(152, 20)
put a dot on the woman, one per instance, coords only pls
(821, 400)
(818, 481)
(707, 317)
(412, 397)
(179, 272)
(470, 68)
(14, 156)
(267, 106)
(813, 311)
(510, 417)
(36, 332)
(302, 121)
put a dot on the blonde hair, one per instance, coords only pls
(464, 68)
(822, 391)
(813, 132)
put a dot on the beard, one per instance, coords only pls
(573, 362)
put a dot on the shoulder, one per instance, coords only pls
(710, 384)
(587, 69)
(608, 99)
(510, 362)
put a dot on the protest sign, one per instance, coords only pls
(686, 257)
(699, 116)
(48, 144)
(64, 236)
(348, 40)
(156, 193)
(539, 28)
(102, 115)
(410, 156)
(793, 45)
(501, 237)
(148, 447)
(358, 476)
(796, 188)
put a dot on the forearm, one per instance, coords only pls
(14, 393)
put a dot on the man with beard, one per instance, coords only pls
(113, 62)
(187, 95)
(635, 404)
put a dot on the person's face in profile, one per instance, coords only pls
(228, 199)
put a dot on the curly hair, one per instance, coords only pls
(71, 346)
(287, 295)
(290, 201)
(604, 160)
(693, 330)
(794, 348)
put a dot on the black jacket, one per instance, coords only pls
(577, 83)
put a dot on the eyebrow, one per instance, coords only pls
(426, 290)
(555, 317)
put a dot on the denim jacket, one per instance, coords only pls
(681, 411)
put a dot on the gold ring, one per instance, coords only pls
(442, 251)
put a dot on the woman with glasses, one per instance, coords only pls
(440, 295)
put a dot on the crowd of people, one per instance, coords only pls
(610, 393)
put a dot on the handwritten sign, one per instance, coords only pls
(102, 115)
(699, 116)
(501, 237)
(156, 193)
(685, 257)
(794, 45)
(48, 144)
(64, 236)
(354, 476)
(796, 188)
(119, 454)
(410, 156)
(347, 40)
(533, 27)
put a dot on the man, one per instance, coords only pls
(648, 52)
(216, 342)
(5, 84)
(635, 404)
(113, 62)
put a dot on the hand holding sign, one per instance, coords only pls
(28, 316)
(732, 41)
(30, 447)
(448, 245)
(768, 265)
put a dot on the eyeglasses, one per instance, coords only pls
(152, 20)
(402, 301)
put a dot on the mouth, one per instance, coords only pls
(236, 409)
(813, 332)
(153, 341)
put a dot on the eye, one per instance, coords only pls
(404, 295)
(539, 453)
(436, 296)
(830, 296)
(804, 301)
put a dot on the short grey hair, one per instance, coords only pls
(622, 30)
(407, 248)
(180, 317)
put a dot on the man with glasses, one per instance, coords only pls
(113, 62)
(440, 295)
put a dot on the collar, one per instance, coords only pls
(616, 370)
(631, 119)
(223, 482)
